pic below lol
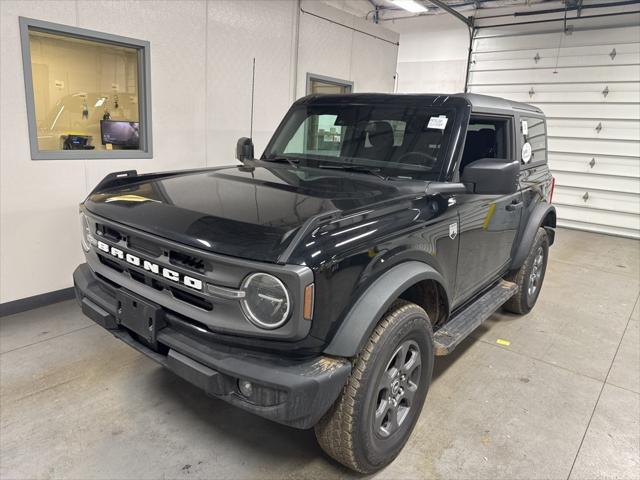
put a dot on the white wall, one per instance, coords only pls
(201, 55)
(335, 51)
(432, 57)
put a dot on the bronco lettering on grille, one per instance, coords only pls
(151, 267)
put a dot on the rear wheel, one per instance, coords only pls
(530, 276)
(373, 418)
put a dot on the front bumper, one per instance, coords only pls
(295, 392)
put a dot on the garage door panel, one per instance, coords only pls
(601, 217)
(594, 227)
(594, 146)
(576, 96)
(591, 110)
(479, 64)
(594, 164)
(488, 42)
(582, 51)
(612, 201)
(524, 87)
(607, 129)
(592, 102)
(591, 181)
(626, 73)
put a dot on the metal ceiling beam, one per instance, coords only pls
(376, 13)
(574, 5)
(452, 11)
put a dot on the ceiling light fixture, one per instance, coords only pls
(410, 5)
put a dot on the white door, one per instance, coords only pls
(587, 81)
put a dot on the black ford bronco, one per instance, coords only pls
(314, 285)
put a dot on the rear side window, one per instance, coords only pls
(534, 132)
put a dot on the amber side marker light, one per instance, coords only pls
(309, 293)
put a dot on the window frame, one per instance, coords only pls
(144, 90)
(510, 121)
(521, 138)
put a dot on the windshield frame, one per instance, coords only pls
(457, 106)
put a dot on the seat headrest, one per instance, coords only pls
(380, 134)
(488, 137)
(479, 144)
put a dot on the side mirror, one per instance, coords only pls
(491, 176)
(244, 149)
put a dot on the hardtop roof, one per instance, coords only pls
(488, 101)
(476, 101)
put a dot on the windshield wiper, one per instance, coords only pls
(284, 158)
(354, 168)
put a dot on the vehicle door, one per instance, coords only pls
(488, 223)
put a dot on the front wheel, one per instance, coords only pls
(373, 418)
(530, 276)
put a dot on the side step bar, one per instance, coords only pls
(462, 324)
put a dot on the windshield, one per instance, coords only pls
(401, 141)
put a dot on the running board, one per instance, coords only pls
(462, 324)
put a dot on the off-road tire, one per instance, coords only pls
(347, 432)
(522, 302)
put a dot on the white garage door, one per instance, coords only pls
(587, 81)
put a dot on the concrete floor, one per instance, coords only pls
(561, 401)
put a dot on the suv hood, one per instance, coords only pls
(252, 213)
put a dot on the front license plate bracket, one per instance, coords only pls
(142, 317)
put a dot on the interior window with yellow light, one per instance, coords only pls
(85, 94)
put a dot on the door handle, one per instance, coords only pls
(512, 207)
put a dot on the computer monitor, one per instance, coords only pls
(76, 142)
(118, 132)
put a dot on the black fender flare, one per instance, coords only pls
(369, 308)
(536, 220)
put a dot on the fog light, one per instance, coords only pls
(245, 387)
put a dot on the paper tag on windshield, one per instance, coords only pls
(525, 128)
(438, 122)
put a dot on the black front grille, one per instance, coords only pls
(150, 281)
(153, 249)
(137, 276)
(110, 263)
(108, 232)
(189, 261)
(144, 246)
(192, 299)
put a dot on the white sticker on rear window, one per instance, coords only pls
(526, 152)
(438, 123)
(525, 128)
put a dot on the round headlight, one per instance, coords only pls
(266, 300)
(86, 236)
